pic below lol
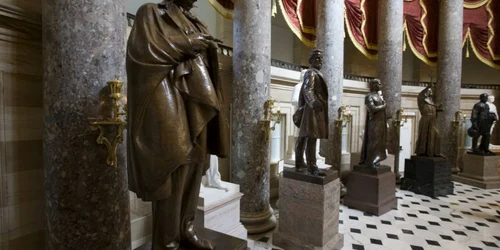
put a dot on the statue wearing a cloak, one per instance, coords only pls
(174, 116)
(428, 142)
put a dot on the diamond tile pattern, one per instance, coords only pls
(469, 219)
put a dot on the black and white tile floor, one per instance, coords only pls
(467, 220)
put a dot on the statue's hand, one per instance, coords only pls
(317, 106)
(199, 42)
(211, 38)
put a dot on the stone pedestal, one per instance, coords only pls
(430, 176)
(219, 210)
(371, 191)
(480, 171)
(309, 212)
(220, 240)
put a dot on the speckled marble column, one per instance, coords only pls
(390, 63)
(249, 148)
(87, 203)
(449, 74)
(331, 40)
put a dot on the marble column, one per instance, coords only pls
(390, 65)
(249, 147)
(87, 202)
(449, 74)
(330, 40)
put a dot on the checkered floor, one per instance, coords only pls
(468, 220)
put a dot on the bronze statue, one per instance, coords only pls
(312, 115)
(428, 141)
(482, 120)
(374, 141)
(174, 104)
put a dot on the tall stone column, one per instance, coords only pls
(390, 65)
(87, 203)
(330, 40)
(249, 147)
(449, 74)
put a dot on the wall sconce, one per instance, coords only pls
(345, 117)
(399, 122)
(460, 119)
(270, 116)
(115, 87)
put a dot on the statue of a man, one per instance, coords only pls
(373, 150)
(429, 138)
(482, 120)
(493, 109)
(174, 116)
(312, 115)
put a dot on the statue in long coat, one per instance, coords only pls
(429, 138)
(312, 115)
(374, 141)
(482, 121)
(174, 116)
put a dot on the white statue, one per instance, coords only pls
(493, 109)
(212, 178)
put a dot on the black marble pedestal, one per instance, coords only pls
(220, 240)
(371, 190)
(430, 176)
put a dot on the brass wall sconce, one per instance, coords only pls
(345, 117)
(400, 119)
(460, 119)
(270, 115)
(115, 87)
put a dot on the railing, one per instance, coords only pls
(228, 51)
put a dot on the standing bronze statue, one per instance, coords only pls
(429, 138)
(174, 105)
(312, 115)
(374, 141)
(482, 120)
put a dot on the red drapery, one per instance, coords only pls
(481, 27)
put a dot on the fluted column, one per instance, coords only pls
(249, 147)
(87, 203)
(449, 74)
(390, 65)
(330, 40)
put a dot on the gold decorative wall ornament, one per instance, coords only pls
(270, 115)
(115, 87)
(460, 119)
(345, 117)
(400, 119)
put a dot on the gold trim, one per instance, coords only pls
(227, 13)
(363, 23)
(306, 29)
(356, 44)
(420, 56)
(475, 5)
(478, 55)
(298, 33)
(490, 27)
(422, 22)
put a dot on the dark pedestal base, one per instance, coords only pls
(371, 193)
(220, 240)
(430, 176)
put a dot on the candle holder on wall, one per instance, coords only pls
(270, 116)
(400, 119)
(460, 119)
(345, 117)
(115, 121)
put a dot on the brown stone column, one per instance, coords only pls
(249, 148)
(390, 65)
(449, 75)
(87, 202)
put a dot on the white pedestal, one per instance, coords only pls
(219, 210)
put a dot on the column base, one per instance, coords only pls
(430, 176)
(259, 223)
(480, 171)
(372, 192)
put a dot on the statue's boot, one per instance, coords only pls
(170, 246)
(192, 241)
(300, 146)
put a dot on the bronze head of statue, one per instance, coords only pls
(483, 97)
(185, 4)
(375, 85)
(316, 59)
